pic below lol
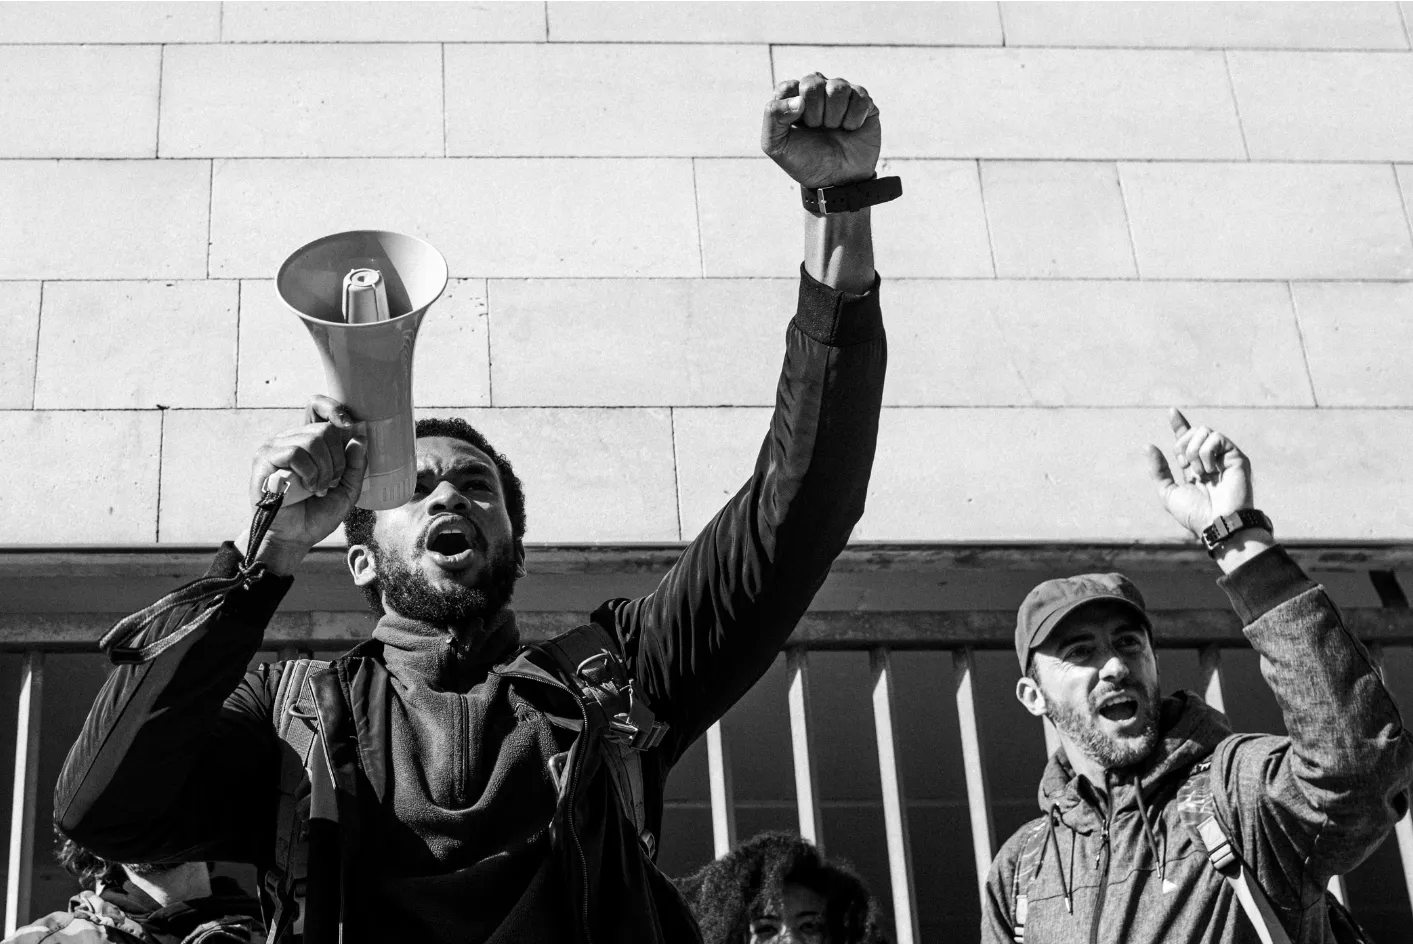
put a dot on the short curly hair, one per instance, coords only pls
(83, 865)
(358, 525)
(726, 894)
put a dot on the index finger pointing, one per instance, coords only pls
(1177, 421)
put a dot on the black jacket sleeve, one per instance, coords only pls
(177, 759)
(722, 613)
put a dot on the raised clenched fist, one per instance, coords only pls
(822, 131)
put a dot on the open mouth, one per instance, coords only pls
(1120, 709)
(451, 542)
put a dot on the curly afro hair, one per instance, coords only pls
(358, 525)
(728, 893)
(83, 865)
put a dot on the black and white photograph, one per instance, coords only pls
(691, 472)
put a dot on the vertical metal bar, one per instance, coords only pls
(797, 666)
(983, 831)
(895, 810)
(1403, 829)
(17, 882)
(1403, 832)
(1209, 660)
(723, 805)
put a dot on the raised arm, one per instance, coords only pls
(177, 758)
(719, 617)
(1317, 803)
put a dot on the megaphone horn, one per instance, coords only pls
(362, 295)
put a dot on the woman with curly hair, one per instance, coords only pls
(776, 888)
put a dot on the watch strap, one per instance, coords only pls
(1227, 525)
(845, 198)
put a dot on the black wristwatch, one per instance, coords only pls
(1224, 527)
(846, 198)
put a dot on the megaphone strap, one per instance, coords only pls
(265, 510)
(117, 641)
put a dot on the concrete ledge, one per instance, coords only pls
(992, 629)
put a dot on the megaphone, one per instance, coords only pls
(362, 295)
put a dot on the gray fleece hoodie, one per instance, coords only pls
(1299, 809)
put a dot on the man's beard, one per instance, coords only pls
(1111, 752)
(407, 592)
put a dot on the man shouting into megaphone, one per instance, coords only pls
(442, 782)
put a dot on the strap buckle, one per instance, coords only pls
(1219, 848)
(630, 721)
(601, 668)
(844, 200)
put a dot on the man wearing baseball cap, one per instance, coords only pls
(1144, 790)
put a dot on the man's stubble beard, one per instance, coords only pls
(1110, 752)
(407, 592)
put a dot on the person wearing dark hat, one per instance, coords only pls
(1144, 790)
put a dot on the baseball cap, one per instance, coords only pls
(1053, 600)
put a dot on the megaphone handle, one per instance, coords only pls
(283, 482)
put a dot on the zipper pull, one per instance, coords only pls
(1103, 841)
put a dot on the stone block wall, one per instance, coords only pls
(1110, 208)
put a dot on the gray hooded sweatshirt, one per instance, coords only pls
(1299, 809)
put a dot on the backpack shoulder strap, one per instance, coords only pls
(1197, 807)
(221, 931)
(1032, 847)
(293, 708)
(296, 725)
(589, 658)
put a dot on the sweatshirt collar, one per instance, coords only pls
(1189, 730)
(449, 658)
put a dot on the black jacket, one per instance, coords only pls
(178, 756)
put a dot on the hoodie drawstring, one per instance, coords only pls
(1072, 839)
(1052, 840)
(1148, 830)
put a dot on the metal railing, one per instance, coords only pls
(978, 800)
(1385, 622)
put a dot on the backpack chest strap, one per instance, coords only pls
(589, 659)
(1197, 807)
(296, 726)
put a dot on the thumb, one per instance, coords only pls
(355, 463)
(780, 114)
(1159, 471)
